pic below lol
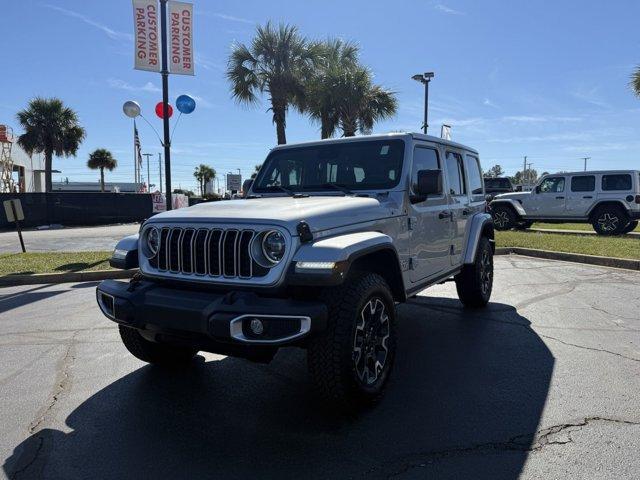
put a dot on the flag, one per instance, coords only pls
(138, 147)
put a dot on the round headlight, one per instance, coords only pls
(273, 246)
(152, 239)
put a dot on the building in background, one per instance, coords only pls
(28, 171)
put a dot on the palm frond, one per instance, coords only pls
(635, 81)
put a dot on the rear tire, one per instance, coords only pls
(631, 227)
(504, 217)
(475, 282)
(610, 220)
(524, 225)
(155, 353)
(351, 361)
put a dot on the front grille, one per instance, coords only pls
(210, 252)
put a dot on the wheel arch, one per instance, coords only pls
(481, 226)
(515, 206)
(383, 261)
(605, 203)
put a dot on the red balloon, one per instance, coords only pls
(160, 110)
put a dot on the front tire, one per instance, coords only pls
(504, 217)
(475, 282)
(154, 353)
(351, 361)
(610, 220)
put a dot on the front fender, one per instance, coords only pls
(481, 224)
(517, 206)
(125, 255)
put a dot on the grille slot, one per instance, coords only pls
(215, 252)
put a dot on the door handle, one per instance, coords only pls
(559, 198)
(443, 215)
(587, 196)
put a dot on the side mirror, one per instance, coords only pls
(429, 183)
(537, 188)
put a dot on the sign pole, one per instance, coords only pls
(165, 101)
(15, 216)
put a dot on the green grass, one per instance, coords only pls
(569, 226)
(617, 247)
(53, 262)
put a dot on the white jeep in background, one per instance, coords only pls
(609, 200)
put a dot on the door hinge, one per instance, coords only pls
(413, 263)
(411, 222)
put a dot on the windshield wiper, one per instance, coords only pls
(289, 192)
(336, 186)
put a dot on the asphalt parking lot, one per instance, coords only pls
(544, 383)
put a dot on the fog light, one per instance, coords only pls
(257, 327)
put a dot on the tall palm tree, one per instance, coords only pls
(49, 128)
(635, 81)
(361, 103)
(335, 57)
(101, 159)
(203, 174)
(276, 63)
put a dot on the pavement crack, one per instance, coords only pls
(601, 350)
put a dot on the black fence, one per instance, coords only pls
(79, 208)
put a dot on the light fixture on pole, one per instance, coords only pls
(425, 78)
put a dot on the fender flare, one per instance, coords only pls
(481, 225)
(342, 248)
(517, 206)
(125, 255)
(600, 203)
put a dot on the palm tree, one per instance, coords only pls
(102, 159)
(203, 174)
(276, 63)
(256, 169)
(335, 57)
(49, 128)
(635, 81)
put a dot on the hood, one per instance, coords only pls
(320, 212)
(512, 195)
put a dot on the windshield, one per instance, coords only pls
(497, 183)
(363, 165)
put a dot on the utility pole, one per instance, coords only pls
(160, 169)
(585, 162)
(148, 172)
(425, 78)
(165, 100)
(524, 170)
(529, 175)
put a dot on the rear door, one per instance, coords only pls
(458, 198)
(581, 195)
(429, 220)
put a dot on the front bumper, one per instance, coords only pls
(207, 319)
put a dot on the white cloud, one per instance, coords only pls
(201, 101)
(555, 137)
(111, 33)
(229, 18)
(122, 85)
(489, 103)
(448, 10)
(590, 95)
(539, 119)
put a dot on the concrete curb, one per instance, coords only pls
(579, 232)
(626, 263)
(67, 277)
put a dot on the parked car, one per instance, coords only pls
(332, 236)
(609, 200)
(497, 185)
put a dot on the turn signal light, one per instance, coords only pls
(637, 198)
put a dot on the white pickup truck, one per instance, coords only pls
(609, 200)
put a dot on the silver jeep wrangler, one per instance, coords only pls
(332, 235)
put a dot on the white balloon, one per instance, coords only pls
(131, 109)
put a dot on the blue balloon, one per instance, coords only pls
(185, 104)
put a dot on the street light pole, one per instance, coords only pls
(585, 162)
(425, 78)
(160, 169)
(148, 172)
(165, 101)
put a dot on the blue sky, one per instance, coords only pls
(513, 78)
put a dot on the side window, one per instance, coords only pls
(583, 183)
(616, 182)
(474, 176)
(423, 159)
(455, 174)
(552, 185)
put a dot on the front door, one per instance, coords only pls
(458, 203)
(550, 198)
(429, 222)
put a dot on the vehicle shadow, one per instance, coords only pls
(465, 401)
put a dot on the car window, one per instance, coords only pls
(455, 173)
(423, 159)
(583, 183)
(616, 182)
(552, 185)
(497, 183)
(362, 165)
(472, 165)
